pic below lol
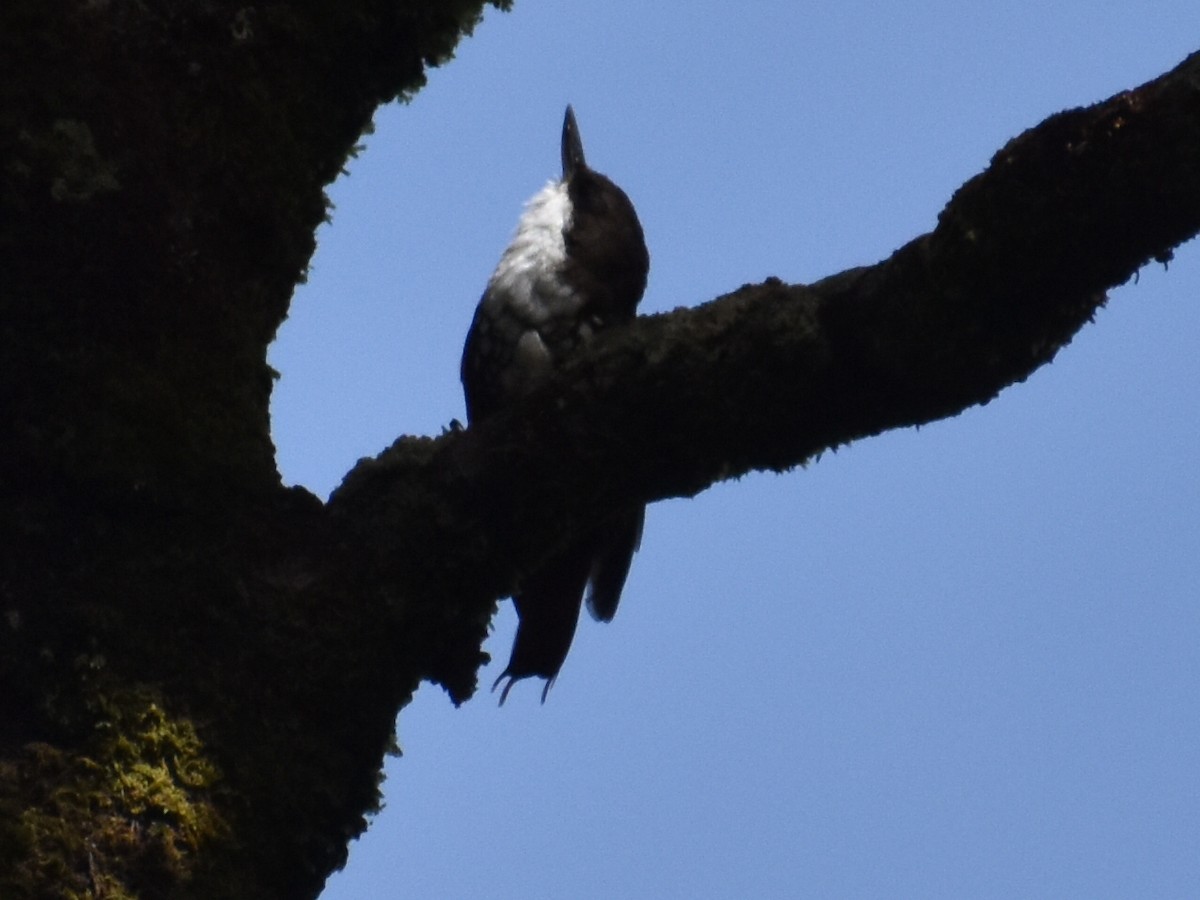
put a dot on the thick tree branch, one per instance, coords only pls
(773, 374)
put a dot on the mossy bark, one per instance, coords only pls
(200, 669)
(184, 710)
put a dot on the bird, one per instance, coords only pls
(577, 265)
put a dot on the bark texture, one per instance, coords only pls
(200, 669)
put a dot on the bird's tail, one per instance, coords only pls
(611, 557)
(548, 603)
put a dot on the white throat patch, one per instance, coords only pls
(529, 274)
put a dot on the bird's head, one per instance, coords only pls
(606, 251)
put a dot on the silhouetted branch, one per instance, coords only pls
(773, 374)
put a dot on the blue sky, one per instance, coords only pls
(954, 662)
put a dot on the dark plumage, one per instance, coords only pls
(577, 265)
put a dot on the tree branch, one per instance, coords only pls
(772, 375)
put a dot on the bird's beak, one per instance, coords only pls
(572, 146)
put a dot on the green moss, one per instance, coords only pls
(124, 814)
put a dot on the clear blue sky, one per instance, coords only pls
(959, 662)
